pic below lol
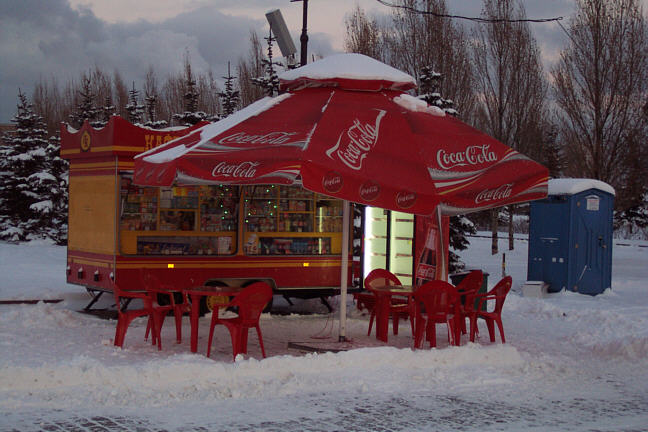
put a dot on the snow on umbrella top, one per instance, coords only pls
(345, 129)
(349, 72)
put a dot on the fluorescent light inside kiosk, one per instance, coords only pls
(368, 246)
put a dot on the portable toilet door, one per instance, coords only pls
(549, 242)
(592, 241)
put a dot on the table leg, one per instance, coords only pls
(382, 317)
(195, 314)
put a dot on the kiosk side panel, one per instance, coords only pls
(91, 233)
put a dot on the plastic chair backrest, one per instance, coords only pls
(125, 294)
(471, 282)
(251, 301)
(500, 291)
(438, 297)
(380, 277)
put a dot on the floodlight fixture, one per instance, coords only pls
(281, 33)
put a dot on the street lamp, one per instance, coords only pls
(304, 36)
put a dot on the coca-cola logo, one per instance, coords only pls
(426, 271)
(497, 194)
(355, 143)
(405, 199)
(369, 191)
(278, 137)
(241, 170)
(472, 155)
(332, 182)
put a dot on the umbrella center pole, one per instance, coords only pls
(344, 270)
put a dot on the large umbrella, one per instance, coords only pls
(346, 128)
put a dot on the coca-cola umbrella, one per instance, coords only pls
(345, 128)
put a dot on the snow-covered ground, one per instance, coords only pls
(571, 362)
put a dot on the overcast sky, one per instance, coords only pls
(62, 38)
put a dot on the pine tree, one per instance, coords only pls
(270, 80)
(460, 227)
(106, 111)
(429, 88)
(230, 96)
(134, 108)
(85, 109)
(59, 169)
(26, 180)
(191, 115)
(151, 101)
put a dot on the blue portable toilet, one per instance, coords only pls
(570, 236)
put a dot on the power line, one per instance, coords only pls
(474, 19)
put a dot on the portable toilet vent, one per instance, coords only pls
(570, 236)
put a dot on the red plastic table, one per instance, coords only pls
(196, 294)
(383, 302)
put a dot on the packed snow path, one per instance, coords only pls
(571, 363)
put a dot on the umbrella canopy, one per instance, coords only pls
(345, 128)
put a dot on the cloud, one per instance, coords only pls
(43, 39)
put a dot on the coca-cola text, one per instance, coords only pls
(472, 155)
(405, 199)
(332, 182)
(241, 170)
(278, 137)
(369, 191)
(354, 144)
(500, 193)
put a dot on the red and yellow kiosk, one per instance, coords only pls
(218, 234)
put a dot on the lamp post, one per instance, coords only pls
(304, 35)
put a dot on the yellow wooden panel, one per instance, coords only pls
(92, 214)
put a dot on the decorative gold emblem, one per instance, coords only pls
(85, 141)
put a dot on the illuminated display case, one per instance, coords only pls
(204, 220)
(196, 220)
(289, 220)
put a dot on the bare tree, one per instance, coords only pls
(209, 96)
(416, 40)
(153, 112)
(121, 94)
(48, 103)
(600, 87)
(510, 84)
(249, 68)
(363, 35)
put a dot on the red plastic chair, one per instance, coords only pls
(437, 303)
(498, 293)
(468, 286)
(250, 303)
(398, 307)
(126, 316)
(158, 290)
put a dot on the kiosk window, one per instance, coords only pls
(289, 220)
(192, 220)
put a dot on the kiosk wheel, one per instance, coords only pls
(207, 303)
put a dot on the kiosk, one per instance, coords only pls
(217, 234)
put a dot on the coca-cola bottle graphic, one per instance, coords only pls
(426, 269)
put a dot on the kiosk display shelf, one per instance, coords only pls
(193, 220)
(289, 220)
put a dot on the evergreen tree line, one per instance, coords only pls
(34, 178)
(586, 116)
